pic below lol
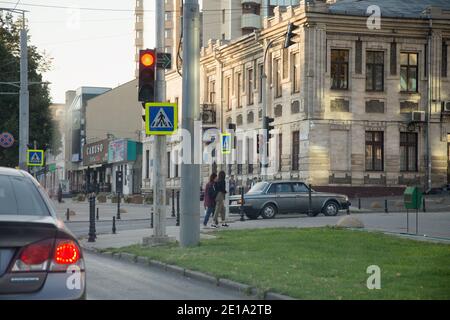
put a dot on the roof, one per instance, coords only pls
(11, 172)
(389, 8)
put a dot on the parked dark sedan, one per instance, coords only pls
(39, 257)
(269, 198)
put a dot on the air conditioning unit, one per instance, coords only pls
(446, 106)
(418, 116)
(208, 117)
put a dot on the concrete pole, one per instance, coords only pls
(190, 172)
(24, 109)
(429, 102)
(160, 154)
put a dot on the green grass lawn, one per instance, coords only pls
(317, 263)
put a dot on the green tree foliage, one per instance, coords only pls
(42, 128)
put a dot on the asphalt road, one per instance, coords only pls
(110, 279)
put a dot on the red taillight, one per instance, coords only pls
(49, 255)
(66, 252)
(34, 257)
(36, 253)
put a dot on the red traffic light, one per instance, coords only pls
(147, 59)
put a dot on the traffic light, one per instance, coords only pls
(147, 71)
(268, 127)
(289, 34)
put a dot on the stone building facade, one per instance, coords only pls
(350, 102)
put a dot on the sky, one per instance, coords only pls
(87, 47)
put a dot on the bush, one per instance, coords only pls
(101, 198)
(148, 199)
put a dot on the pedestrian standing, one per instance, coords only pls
(220, 198)
(210, 198)
(59, 193)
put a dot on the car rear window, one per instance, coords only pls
(19, 196)
(258, 187)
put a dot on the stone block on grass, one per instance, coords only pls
(349, 222)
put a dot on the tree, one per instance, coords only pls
(43, 129)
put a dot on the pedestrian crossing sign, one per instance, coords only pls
(225, 139)
(35, 158)
(161, 118)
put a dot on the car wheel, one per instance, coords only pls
(252, 216)
(269, 211)
(331, 208)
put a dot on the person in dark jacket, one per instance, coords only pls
(59, 193)
(210, 201)
(220, 198)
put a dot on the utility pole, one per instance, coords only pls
(160, 155)
(24, 106)
(190, 172)
(429, 102)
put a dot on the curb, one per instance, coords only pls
(196, 275)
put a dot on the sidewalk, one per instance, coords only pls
(131, 237)
(435, 227)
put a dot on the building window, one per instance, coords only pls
(168, 164)
(228, 93)
(277, 76)
(251, 8)
(240, 156)
(295, 150)
(374, 150)
(444, 59)
(280, 150)
(147, 164)
(125, 174)
(375, 71)
(295, 73)
(408, 151)
(408, 72)
(211, 90)
(250, 155)
(238, 90)
(250, 117)
(250, 87)
(223, 16)
(339, 69)
(260, 86)
(176, 165)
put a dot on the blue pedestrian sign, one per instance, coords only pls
(6, 140)
(225, 140)
(161, 118)
(35, 158)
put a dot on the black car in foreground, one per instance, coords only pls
(39, 257)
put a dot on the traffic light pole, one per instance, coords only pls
(160, 154)
(264, 144)
(265, 89)
(190, 172)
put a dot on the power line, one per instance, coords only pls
(120, 10)
(16, 5)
